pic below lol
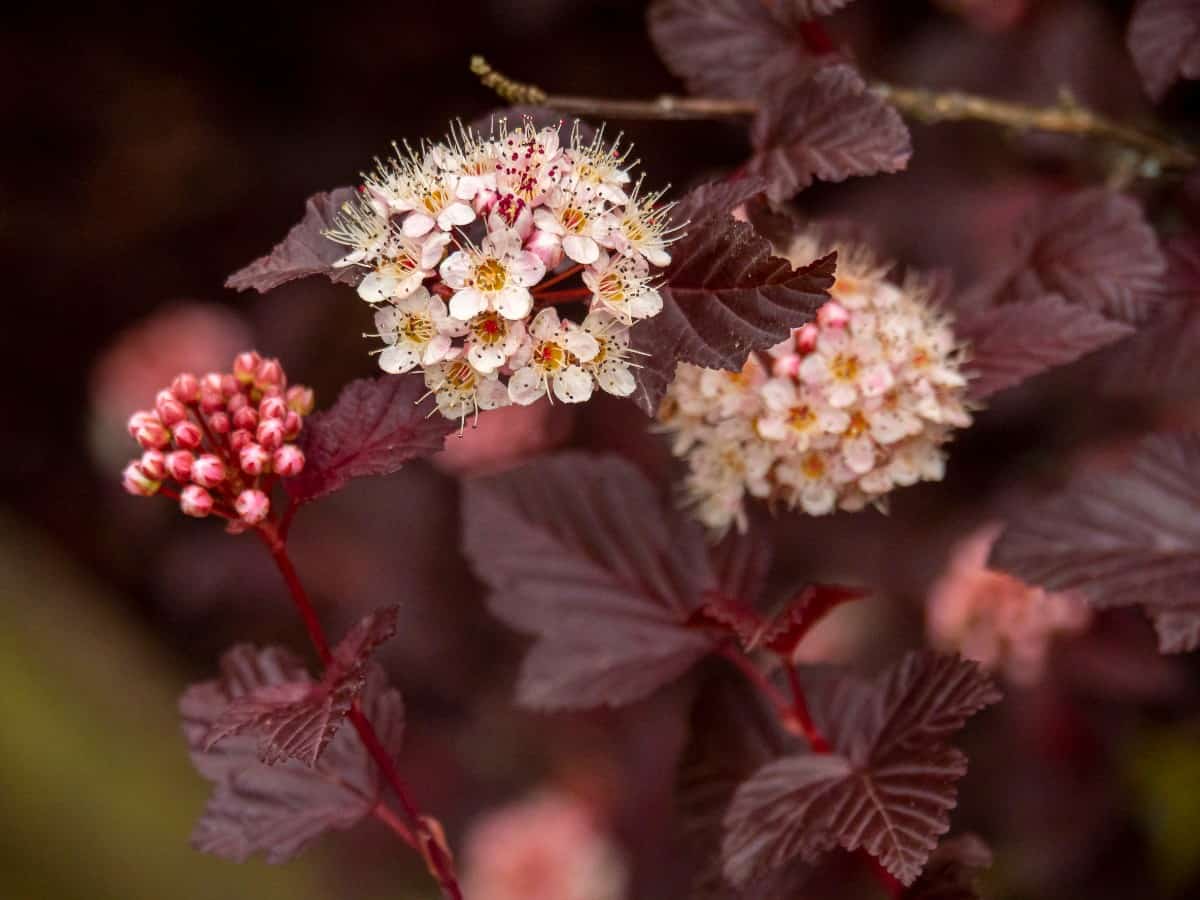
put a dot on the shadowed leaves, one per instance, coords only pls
(1164, 38)
(951, 871)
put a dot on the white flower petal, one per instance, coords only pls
(526, 386)
(467, 304)
(417, 224)
(573, 385)
(581, 248)
(513, 302)
(455, 214)
(526, 269)
(376, 288)
(582, 344)
(616, 378)
(401, 357)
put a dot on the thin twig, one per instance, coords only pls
(1156, 153)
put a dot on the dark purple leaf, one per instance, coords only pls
(716, 199)
(741, 562)
(812, 8)
(277, 810)
(1095, 249)
(1121, 537)
(374, 428)
(888, 787)
(724, 296)
(580, 551)
(826, 126)
(304, 252)
(1015, 341)
(298, 718)
(952, 869)
(1164, 38)
(789, 625)
(732, 48)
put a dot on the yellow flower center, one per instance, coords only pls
(490, 275)
(460, 375)
(489, 328)
(813, 467)
(549, 357)
(802, 418)
(435, 201)
(858, 425)
(844, 367)
(418, 328)
(573, 219)
(612, 287)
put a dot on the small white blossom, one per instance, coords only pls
(610, 366)
(556, 355)
(460, 391)
(416, 330)
(496, 276)
(578, 219)
(405, 263)
(642, 228)
(622, 285)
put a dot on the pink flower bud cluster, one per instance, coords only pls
(222, 438)
(456, 239)
(848, 408)
(995, 619)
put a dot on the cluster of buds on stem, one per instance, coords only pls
(462, 241)
(835, 417)
(222, 440)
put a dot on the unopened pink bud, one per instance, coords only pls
(484, 201)
(195, 501)
(272, 408)
(137, 482)
(270, 434)
(254, 459)
(288, 460)
(245, 418)
(138, 419)
(786, 366)
(154, 464)
(545, 246)
(153, 435)
(269, 374)
(300, 399)
(188, 435)
(292, 424)
(211, 398)
(211, 381)
(208, 470)
(252, 506)
(229, 386)
(170, 410)
(186, 387)
(218, 423)
(833, 315)
(240, 438)
(806, 338)
(245, 365)
(179, 465)
(236, 402)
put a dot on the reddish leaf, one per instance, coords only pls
(724, 296)
(277, 810)
(1095, 249)
(716, 199)
(1164, 38)
(888, 788)
(952, 869)
(298, 718)
(1015, 341)
(731, 48)
(579, 550)
(304, 252)
(788, 627)
(812, 8)
(1123, 537)
(741, 562)
(826, 126)
(374, 428)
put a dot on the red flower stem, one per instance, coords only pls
(781, 703)
(430, 846)
(800, 712)
(561, 276)
(563, 296)
(392, 821)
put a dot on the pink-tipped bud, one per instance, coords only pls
(833, 315)
(484, 201)
(269, 374)
(179, 465)
(545, 246)
(137, 482)
(195, 501)
(270, 434)
(806, 338)
(218, 423)
(254, 459)
(300, 399)
(292, 424)
(154, 465)
(170, 410)
(186, 388)
(153, 435)
(236, 402)
(208, 470)
(512, 212)
(245, 418)
(252, 506)
(245, 365)
(272, 408)
(229, 386)
(211, 398)
(211, 381)
(138, 419)
(288, 460)
(188, 435)
(240, 438)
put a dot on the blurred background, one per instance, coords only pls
(153, 152)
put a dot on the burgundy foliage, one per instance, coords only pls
(277, 810)
(952, 870)
(1130, 536)
(374, 428)
(1164, 38)
(889, 785)
(304, 252)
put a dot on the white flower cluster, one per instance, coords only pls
(835, 417)
(459, 238)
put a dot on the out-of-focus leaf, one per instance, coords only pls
(952, 870)
(1164, 38)
(741, 562)
(304, 252)
(580, 551)
(1164, 770)
(374, 428)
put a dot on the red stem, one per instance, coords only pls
(561, 276)
(430, 846)
(563, 296)
(803, 717)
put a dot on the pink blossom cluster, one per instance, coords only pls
(222, 438)
(462, 241)
(845, 410)
(546, 847)
(995, 619)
